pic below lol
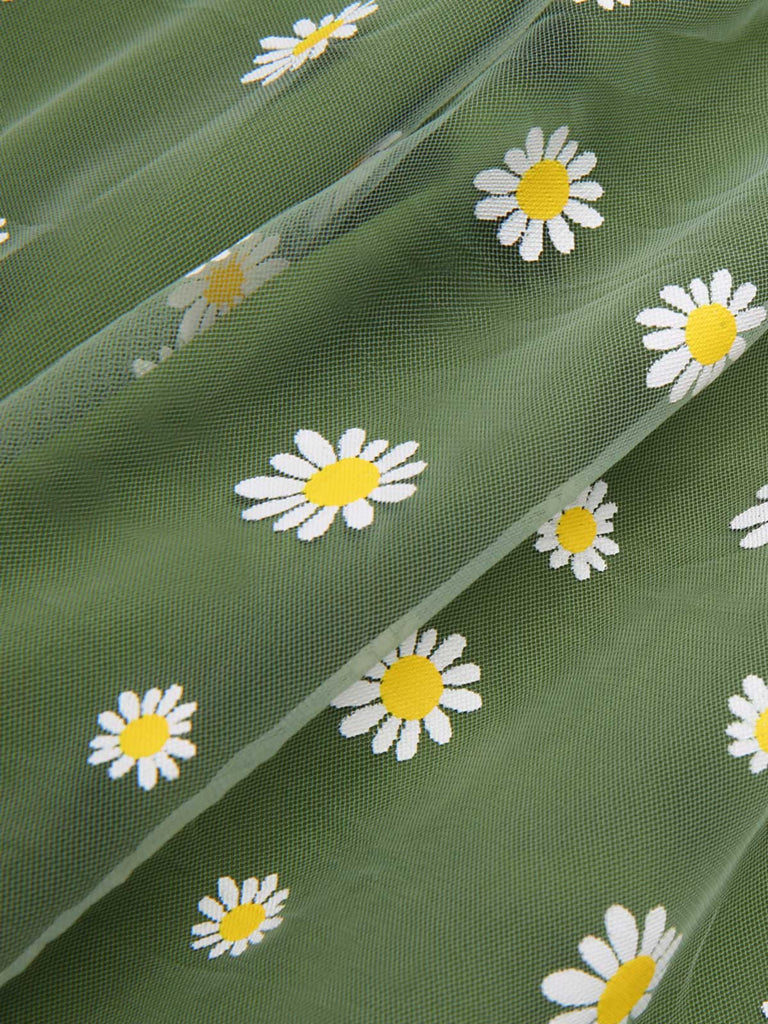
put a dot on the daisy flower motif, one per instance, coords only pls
(578, 534)
(141, 367)
(148, 734)
(410, 686)
(757, 516)
(540, 187)
(750, 732)
(700, 334)
(4, 235)
(313, 488)
(239, 917)
(212, 289)
(607, 5)
(288, 53)
(627, 970)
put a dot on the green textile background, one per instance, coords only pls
(446, 888)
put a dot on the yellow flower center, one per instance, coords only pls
(411, 687)
(144, 736)
(342, 482)
(224, 283)
(710, 332)
(576, 529)
(761, 731)
(626, 988)
(241, 922)
(316, 37)
(544, 190)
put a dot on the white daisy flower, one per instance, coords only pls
(410, 686)
(4, 235)
(750, 733)
(149, 732)
(628, 970)
(288, 53)
(312, 489)
(607, 5)
(541, 187)
(578, 534)
(240, 916)
(757, 516)
(212, 289)
(141, 367)
(701, 334)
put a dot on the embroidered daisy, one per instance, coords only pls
(607, 5)
(541, 187)
(410, 686)
(750, 733)
(315, 487)
(141, 367)
(4, 235)
(149, 732)
(700, 335)
(212, 289)
(288, 53)
(757, 516)
(239, 917)
(578, 534)
(628, 970)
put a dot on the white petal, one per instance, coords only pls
(533, 241)
(721, 285)
(740, 730)
(641, 1004)
(104, 755)
(181, 712)
(699, 291)
(150, 701)
(295, 517)
(461, 700)
(176, 747)
(304, 27)
(292, 465)
(460, 675)
(374, 449)
(190, 323)
(559, 558)
(275, 903)
(589, 190)
(742, 748)
(572, 988)
(595, 560)
(105, 743)
(218, 950)
(407, 646)
(167, 766)
(392, 492)
(661, 341)
(546, 543)
(448, 651)
(229, 894)
(581, 214)
(121, 766)
(268, 925)
(581, 165)
(750, 318)
(205, 928)
(762, 494)
(358, 514)
(279, 42)
(759, 762)
(239, 947)
(426, 643)
(362, 720)
(111, 722)
(400, 453)
(756, 691)
(685, 381)
(496, 181)
(517, 161)
(742, 297)
(268, 886)
(318, 524)
(211, 908)
(742, 708)
(386, 735)
(403, 472)
(257, 487)
(585, 1016)
(534, 145)
(438, 725)
(738, 348)
(556, 142)
(653, 929)
(265, 509)
(207, 940)
(606, 545)
(495, 207)
(599, 956)
(357, 695)
(667, 368)
(659, 317)
(314, 447)
(580, 566)
(755, 538)
(678, 297)
(351, 443)
(128, 705)
(570, 149)
(147, 773)
(596, 495)
(512, 228)
(561, 235)
(408, 742)
(170, 698)
(621, 929)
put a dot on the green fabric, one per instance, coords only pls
(596, 772)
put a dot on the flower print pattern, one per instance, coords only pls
(579, 534)
(412, 685)
(288, 53)
(540, 187)
(750, 732)
(756, 516)
(214, 288)
(240, 917)
(313, 486)
(627, 970)
(148, 732)
(700, 334)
